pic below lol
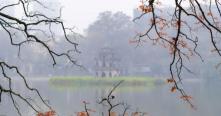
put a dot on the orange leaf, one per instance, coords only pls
(186, 97)
(113, 114)
(170, 80)
(173, 89)
(145, 8)
(82, 113)
(209, 14)
(48, 113)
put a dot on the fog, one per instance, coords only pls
(111, 30)
(112, 33)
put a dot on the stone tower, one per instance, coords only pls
(107, 64)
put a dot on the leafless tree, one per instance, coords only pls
(185, 20)
(29, 25)
(109, 99)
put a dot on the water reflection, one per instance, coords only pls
(156, 101)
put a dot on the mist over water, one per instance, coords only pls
(113, 32)
(156, 101)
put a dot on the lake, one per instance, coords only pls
(155, 100)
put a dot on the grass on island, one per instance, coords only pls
(89, 81)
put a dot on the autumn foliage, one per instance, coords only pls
(179, 28)
(83, 113)
(48, 113)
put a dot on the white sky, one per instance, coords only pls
(81, 13)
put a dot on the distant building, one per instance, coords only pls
(107, 64)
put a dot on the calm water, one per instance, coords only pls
(157, 101)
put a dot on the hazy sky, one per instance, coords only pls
(83, 12)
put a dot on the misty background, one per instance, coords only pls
(114, 30)
(117, 31)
